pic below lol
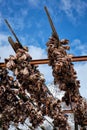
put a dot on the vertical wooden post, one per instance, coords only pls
(75, 124)
(83, 128)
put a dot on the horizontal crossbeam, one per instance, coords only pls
(46, 61)
(67, 111)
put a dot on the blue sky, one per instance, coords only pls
(31, 25)
(30, 22)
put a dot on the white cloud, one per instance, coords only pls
(81, 69)
(76, 42)
(1, 19)
(5, 48)
(47, 71)
(80, 7)
(37, 3)
(73, 9)
(5, 51)
(24, 12)
(33, 2)
(3, 38)
(78, 48)
(37, 52)
(17, 20)
(0, 1)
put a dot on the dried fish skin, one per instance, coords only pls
(30, 79)
(65, 75)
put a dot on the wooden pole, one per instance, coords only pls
(76, 125)
(46, 61)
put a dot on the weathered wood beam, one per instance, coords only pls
(12, 43)
(85, 123)
(54, 32)
(19, 45)
(67, 111)
(46, 61)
